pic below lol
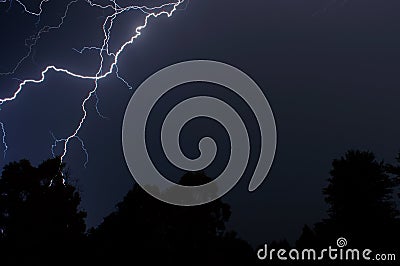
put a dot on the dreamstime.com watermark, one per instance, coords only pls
(154, 88)
(331, 253)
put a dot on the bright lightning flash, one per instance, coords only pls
(103, 51)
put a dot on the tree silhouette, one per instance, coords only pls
(395, 170)
(361, 205)
(148, 230)
(40, 218)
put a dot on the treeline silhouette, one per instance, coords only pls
(41, 222)
(361, 195)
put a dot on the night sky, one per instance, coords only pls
(330, 70)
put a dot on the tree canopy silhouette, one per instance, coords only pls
(395, 170)
(39, 214)
(41, 222)
(361, 205)
(146, 229)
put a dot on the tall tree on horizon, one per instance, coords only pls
(40, 218)
(395, 170)
(360, 194)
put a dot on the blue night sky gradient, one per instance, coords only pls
(328, 68)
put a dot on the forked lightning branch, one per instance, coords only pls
(104, 53)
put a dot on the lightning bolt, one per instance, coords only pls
(103, 51)
(32, 41)
(32, 12)
(4, 139)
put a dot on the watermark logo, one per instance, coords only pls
(331, 253)
(152, 89)
(341, 242)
